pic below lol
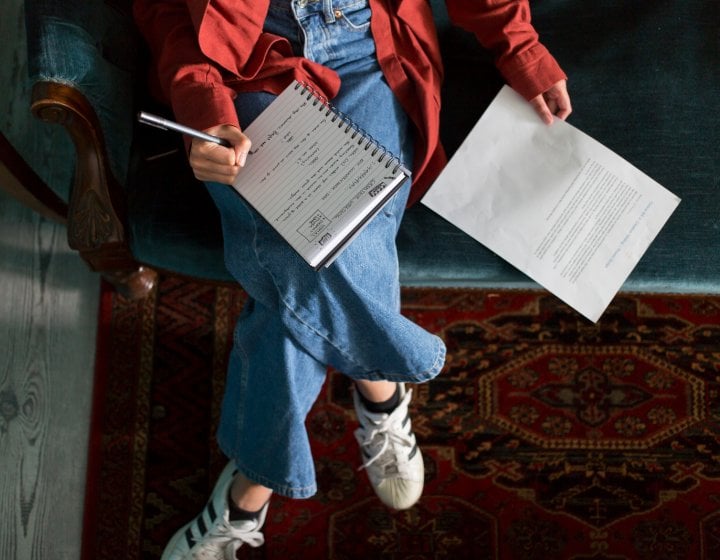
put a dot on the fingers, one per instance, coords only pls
(542, 109)
(216, 163)
(560, 99)
(553, 102)
(210, 168)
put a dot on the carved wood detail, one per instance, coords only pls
(92, 223)
(96, 211)
(91, 200)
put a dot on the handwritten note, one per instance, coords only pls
(313, 175)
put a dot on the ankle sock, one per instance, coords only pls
(384, 407)
(238, 514)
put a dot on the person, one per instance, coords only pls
(219, 64)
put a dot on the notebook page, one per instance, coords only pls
(311, 176)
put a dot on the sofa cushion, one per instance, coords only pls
(643, 83)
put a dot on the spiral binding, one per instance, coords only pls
(350, 125)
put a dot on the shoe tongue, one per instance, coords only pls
(376, 417)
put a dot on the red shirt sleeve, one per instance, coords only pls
(504, 28)
(182, 76)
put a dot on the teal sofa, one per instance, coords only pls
(644, 78)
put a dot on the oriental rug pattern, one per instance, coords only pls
(546, 437)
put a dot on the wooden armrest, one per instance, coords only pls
(96, 208)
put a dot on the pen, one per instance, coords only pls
(165, 124)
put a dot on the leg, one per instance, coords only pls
(347, 315)
(248, 495)
(299, 321)
(376, 391)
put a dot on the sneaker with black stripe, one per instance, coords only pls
(211, 535)
(390, 453)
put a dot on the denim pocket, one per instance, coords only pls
(356, 17)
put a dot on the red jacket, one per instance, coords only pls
(206, 50)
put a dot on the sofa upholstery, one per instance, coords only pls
(643, 78)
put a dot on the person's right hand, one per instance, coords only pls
(216, 163)
(555, 101)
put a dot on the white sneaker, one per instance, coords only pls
(211, 535)
(392, 458)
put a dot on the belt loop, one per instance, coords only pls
(328, 11)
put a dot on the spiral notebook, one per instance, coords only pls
(314, 174)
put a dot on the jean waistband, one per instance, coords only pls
(305, 8)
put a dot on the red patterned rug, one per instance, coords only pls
(546, 437)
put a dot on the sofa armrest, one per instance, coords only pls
(96, 209)
(82, 60)
(91, 47)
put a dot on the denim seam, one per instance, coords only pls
(340, 349)
(282, 489)
(425, 375)
(317, 333)
(287, 306)
(337, 346)
(239, 425)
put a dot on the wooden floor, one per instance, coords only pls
(48, 318)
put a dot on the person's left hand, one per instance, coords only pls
(555, 101)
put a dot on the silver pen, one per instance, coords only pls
(165, 124)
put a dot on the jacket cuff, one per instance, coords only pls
(532, 72)
(202, 107)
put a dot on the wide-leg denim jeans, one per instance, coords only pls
(297, 321)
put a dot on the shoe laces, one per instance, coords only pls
(227, 538)
(388, 434)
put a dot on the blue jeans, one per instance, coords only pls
(297, 321)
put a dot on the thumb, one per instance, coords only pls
(241, 144)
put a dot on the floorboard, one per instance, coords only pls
(48, 318)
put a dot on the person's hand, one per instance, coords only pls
(216, 163)
(555, 101)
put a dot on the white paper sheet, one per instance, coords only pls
(558, 205)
